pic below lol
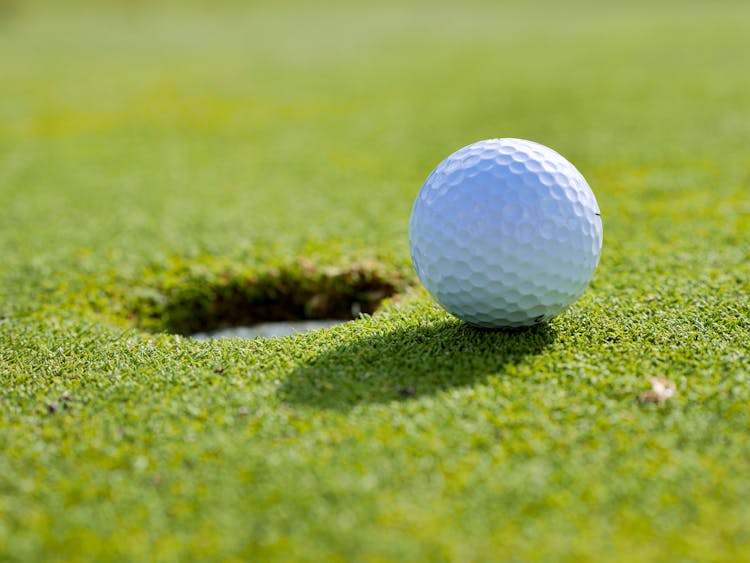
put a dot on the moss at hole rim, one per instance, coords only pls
(202, 297)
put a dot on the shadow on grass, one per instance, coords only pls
(408, 363)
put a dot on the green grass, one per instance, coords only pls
(148, 151)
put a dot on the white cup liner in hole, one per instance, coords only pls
(268, 330)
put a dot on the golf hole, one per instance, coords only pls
(277, 301)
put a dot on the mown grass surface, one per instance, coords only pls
(134, 138)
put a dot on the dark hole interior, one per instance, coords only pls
(201, 306)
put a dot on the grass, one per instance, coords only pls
(153, 150)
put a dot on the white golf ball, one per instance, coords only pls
(505, 233)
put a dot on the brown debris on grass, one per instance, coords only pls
(661, 391)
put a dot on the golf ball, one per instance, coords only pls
(505, 233)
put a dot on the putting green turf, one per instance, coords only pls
(154, 149)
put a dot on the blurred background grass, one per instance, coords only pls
(182, 126)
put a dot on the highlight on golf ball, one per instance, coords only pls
(505, 233)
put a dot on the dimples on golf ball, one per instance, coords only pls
(505, 233)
